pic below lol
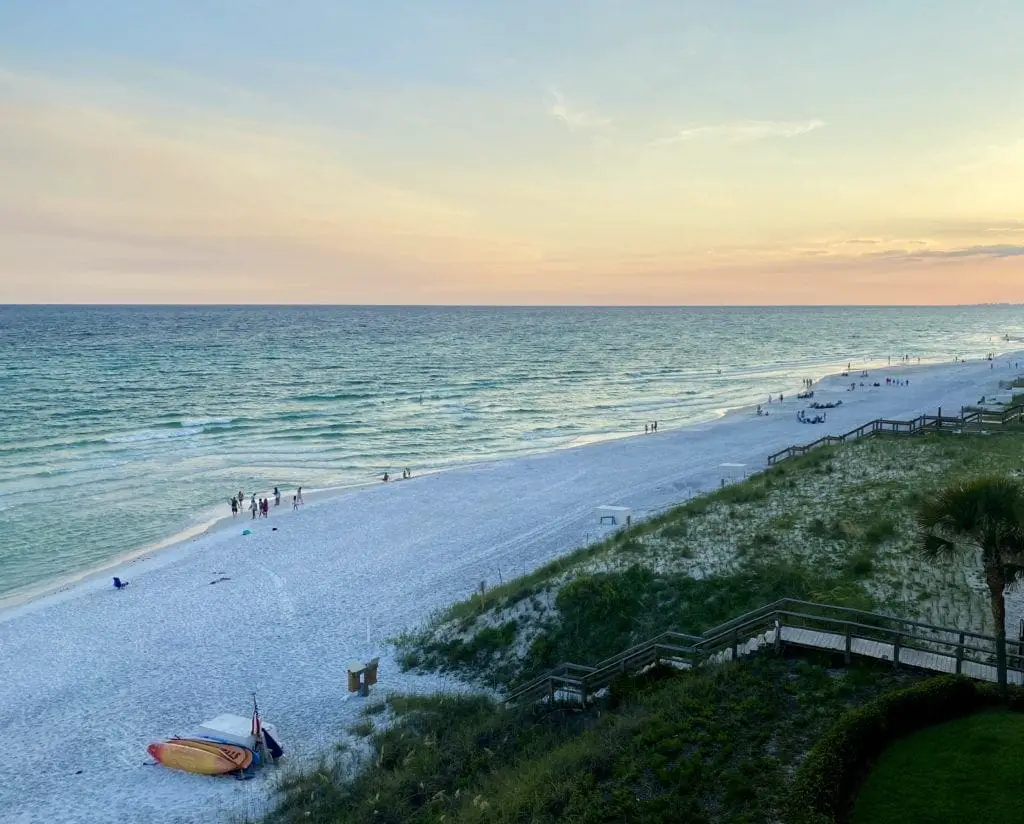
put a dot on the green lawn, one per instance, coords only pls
(964, 771)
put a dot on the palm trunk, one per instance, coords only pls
(996, 587)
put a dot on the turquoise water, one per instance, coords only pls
(123, 426)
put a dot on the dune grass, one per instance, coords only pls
(835, 525)
(970, 771)
(712, 745)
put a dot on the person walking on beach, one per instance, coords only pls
(295, 503)
(646, 429)
(253, 506)
(234, 507)
(277, 496)
(298, 494)
(266, 507)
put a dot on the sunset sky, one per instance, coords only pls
(598, 152)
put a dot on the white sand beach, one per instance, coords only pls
(89, 676)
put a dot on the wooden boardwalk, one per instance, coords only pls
(968, 422)
(794, 624)
(882, 651)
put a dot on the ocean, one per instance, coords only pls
(124, 426)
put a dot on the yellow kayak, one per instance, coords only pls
(202, 757)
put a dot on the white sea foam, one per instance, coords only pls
(155, 435)
(192, 423)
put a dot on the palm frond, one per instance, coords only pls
(935, 547)
(986, 513)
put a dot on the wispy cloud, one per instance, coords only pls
(574, 118)
(1000, 250)
(745, 131)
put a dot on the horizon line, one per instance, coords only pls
(508, 305)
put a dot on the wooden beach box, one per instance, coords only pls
(362, 674)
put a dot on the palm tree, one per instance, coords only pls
(983, 516)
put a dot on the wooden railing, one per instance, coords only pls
(838, 629)
(921, 424)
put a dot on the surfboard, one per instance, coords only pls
(242, 756)
(220, 742)
(185, 755)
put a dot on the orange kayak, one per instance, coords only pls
(201, 757)
(242, 756)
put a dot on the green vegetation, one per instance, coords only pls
(986, 516)
(595, 616)
(825, 784)
(836, 525)
(968, 771)
(711, 745)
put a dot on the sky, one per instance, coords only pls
(562, 152)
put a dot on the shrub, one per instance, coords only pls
(742, 493)
(818, 528)
(879, 532)
(676, 531)
(827, 780)
(860, 563)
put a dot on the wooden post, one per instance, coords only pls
(960, 654)
(896, 651)
(849, 644)
(551, 689)
(735, 644)
(778, 634)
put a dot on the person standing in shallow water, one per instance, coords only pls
(277, 496)
(298, 495)
(234, 507)
(253, 506)
(295, 503)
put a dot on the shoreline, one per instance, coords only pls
(284, 611)
(52, 589)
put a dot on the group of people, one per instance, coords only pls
(260, 507)
(803, 417)
(650, 428)
(406, 473)
(888, 382)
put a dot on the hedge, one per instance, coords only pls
(827, 781)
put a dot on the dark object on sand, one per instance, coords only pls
(119, 584)
(276, 750)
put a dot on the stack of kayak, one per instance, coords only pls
(226, 744)
(203, 756)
